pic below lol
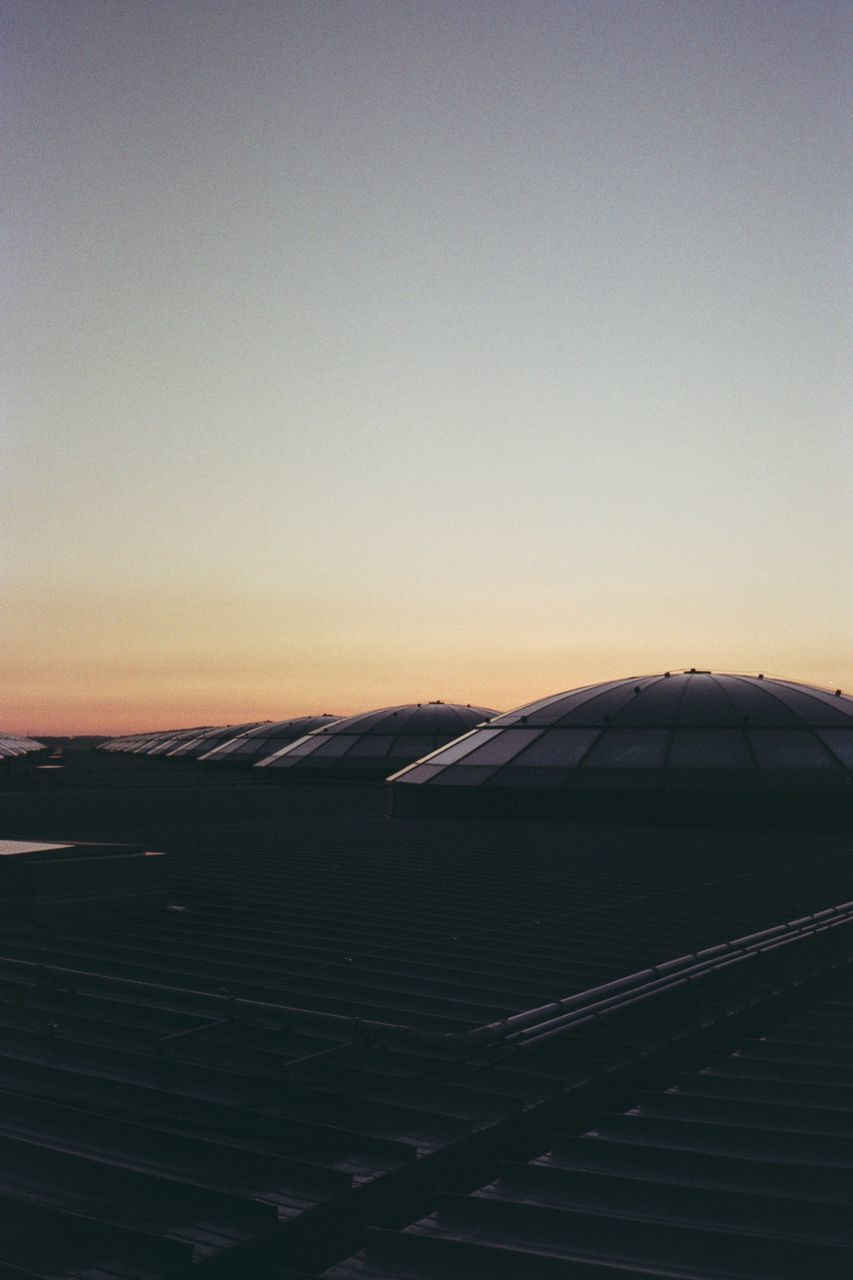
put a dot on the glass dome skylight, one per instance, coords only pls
(679, 731)
(375, 743)
(264, 739)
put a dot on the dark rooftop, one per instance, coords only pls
(339, 1018)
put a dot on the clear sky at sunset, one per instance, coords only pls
(372, 351)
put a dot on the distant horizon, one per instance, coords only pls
(236, 721)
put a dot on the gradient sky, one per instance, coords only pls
(371, 351)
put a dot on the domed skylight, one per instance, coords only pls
(376, 743)
(264, 739)
(678, 731)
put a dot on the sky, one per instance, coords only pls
(361, 352)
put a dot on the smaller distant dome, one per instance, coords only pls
(193, 748)
(13, 745)
(161, 744)
(264, 739)
(374, 744)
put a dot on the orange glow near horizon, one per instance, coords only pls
(376, 353)
(158, 663)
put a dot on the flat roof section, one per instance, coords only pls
(206, 1078)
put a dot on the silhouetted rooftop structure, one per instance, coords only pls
(13, 745)
(373, 744)
(193, 748)
(264, 739)
(680, 741)
(153, 743)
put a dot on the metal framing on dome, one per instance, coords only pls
(684, 742)
(156, 743)
(373, 744)
(163, 744)
(13, 745)
(194, 748)
(264, 739)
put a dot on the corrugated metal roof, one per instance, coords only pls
(739, 1169)
(205, 1082)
